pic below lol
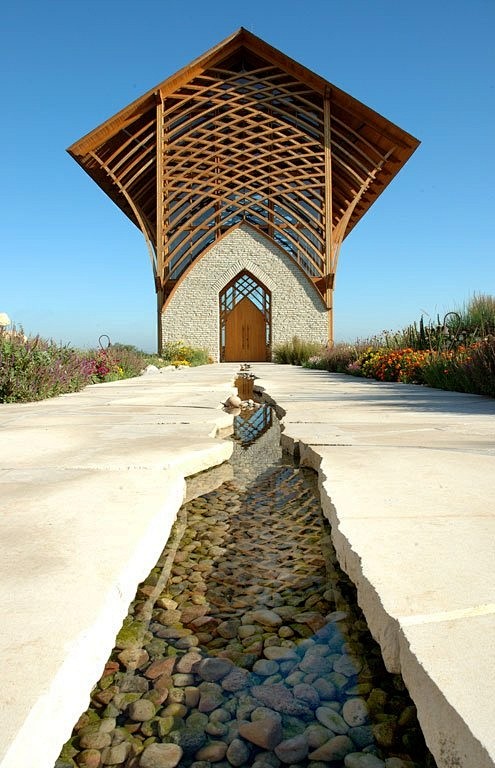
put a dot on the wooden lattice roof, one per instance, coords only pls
(244, 133)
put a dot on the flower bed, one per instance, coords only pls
(34, 368)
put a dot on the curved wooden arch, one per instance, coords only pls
(245, 134)
(173, 285)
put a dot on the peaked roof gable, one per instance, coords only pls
(244, 133)
(215, 55)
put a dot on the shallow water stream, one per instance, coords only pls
(245, 645)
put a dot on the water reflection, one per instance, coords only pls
(252, 423)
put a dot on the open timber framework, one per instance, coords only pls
(245, 136)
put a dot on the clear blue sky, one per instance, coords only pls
(73, 267)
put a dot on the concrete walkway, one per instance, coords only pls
(407, 477)
(91, 482)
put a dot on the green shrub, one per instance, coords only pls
(174, 352)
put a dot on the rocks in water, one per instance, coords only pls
(292, 750)
(228, 629)
(266, 733)
(317, 735)
(355, 712)
(251, 657)
(377, 700)
(97, 740)
(279, 698)
(325, 689)
(133, 658)
(141, 710)
(210, 697)
(238, 753)
(187, 663)
(334, 749)
(116, 755)
(190, 739)
(362, 735)
(266, 617)
(308, 694)
(236, 680)
(362, 760)
(278, 653)
(89, 758)
(160, 667)
(213, 752)
(348, 666)
(182, 680)
(316, 664)
(331, 720)
(160, 756)
(264, 667)
(385, 733)
(213, 669)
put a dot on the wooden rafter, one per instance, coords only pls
(244, 133)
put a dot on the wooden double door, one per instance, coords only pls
(245, 320)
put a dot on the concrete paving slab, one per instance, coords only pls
(460, 667)
(407, 478)
(90, 484)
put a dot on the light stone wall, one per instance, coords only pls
(192, 315)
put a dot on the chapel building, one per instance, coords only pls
(244, 171)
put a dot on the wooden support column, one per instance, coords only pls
(159, 333)
(160, 220)
(327, 140)
(160, 212)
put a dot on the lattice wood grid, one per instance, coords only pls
(244, 134)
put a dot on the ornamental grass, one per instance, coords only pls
(297, 351)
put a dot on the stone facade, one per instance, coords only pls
(192, 314)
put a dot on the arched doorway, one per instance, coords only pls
(245, 320)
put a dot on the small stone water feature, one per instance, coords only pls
(244, 646)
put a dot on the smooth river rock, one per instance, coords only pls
(331, 720)
(266, 617)
(362, 760)
(334, 749)
(160, 756)
(265, 733)
(213, 669)
(237, 753)
(292, 750)
(355, 712)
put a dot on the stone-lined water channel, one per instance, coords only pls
(245, 645)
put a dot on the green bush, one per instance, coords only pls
(174, 352)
